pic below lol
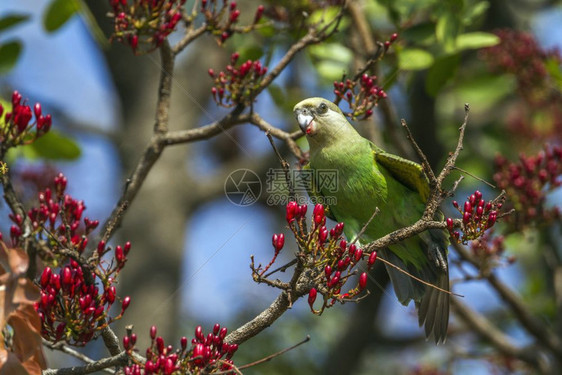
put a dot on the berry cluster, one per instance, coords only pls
(361, 101)
(237, 85)
(488, 248)
(361, 94)
(76, 298)
(537, 112)
(478, 215)
(72, 309)
(324, 251)
(205, 356)
(528, 182)
(520, 54)
(221, 19)
(17, 128)
(145, 22)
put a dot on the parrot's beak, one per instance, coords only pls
(306, 121)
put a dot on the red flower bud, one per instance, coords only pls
(363, 281)
(259, 13)
(126, 342)
(66, 276)
(45, 277)
(327, 271)
(478, 195)
(318, 211)
(450, 224)
(160, 344)
(358, 255)
(101, 248)
(322, 234)
(278, 241)
(37, 110)
(125, 303)
(312, 296)
(234, 15)
(291, 209)
(222, 333)
(372, 258)
(199, 334)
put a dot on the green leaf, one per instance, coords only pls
(322, 17)
(330, 70)
(423, 33)
(58, 12)
(12, 20)
(447, 29)
(475, 11)
(442, 70)
(54, 146)
(476, 40)
(414, 59)
(331, 60)
(331, 51)
(485, 91)
(9, 54)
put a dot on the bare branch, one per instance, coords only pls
(120, 359)
(425, 163)
(263, 320)
(189, 37)
(500, 341)
(522, 314)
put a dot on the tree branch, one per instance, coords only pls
(501, 342)
(522, 314)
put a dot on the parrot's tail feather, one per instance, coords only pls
(431, 295)
(434, 310)
(405, 287)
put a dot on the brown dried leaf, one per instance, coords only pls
(17, 295)
(27, 343)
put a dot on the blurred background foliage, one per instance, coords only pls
(193, 246)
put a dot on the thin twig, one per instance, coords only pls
(362, 231)
(120, 359)
(475, 177)
(417, 278)
(284, 164)
(425, 163)
(270, 357)
(313, 36)
(283, 268)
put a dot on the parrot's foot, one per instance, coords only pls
(437, 257)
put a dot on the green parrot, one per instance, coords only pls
(369, 177)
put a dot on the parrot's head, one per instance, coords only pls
(321, 120)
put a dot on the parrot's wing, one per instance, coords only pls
(315, 194)
(406, 171)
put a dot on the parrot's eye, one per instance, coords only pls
(322, 108)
